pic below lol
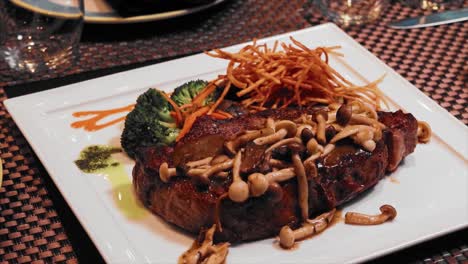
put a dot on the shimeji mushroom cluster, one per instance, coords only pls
(206, 251)
(315, 135)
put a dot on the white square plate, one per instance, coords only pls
(431, 197)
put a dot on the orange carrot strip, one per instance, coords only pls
(221, 98)
(190, 120)
(179, 117)
(90, 124)
(218, 116)
(206, 91)
(226, 114)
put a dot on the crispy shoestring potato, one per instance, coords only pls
(296, 75)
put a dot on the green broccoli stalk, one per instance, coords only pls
(185, 93)
(149, 123)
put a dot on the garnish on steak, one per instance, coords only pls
(339, 168)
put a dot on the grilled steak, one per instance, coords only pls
(343, 174)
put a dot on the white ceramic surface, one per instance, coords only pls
(431, 197)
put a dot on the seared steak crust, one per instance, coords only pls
(342, 175)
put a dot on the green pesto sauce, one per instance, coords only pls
(98, 159)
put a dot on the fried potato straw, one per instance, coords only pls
(296, 75)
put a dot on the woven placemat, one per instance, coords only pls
(433, 59)
(32, 230)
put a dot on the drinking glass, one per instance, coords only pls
(37, 35)
(352, 12)
(432, 4)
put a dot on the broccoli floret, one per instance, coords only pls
(149, 123)
(187, 91)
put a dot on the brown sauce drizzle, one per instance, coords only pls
(91, 124)
(217, 219)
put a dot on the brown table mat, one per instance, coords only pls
(33, 221)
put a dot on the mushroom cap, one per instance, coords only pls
(330, 132)
(286, 236)
(306, 134)
(275, 192)
(424, 132)
(369, 145)
(239, 191)
(388, 210)
(164, 172)
(258, 184)
(344, 113)
(288, 125)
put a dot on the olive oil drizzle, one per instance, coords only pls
(97, 159)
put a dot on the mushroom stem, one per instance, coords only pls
(238, 190)
(288, 236)
(365, 139)
(165, 173)
(321, 222)
(198, 163)
(360, 119)
(281, 175)
(206, 252)
(218, 254)
(233, 145)
(359, 108)
(321, 129)
(290, 126)
(222, 174)
(303, 186)
(204, 174)
(327, 149)
(283, 142)
(278, 135)
(349, 131)
(259, 183)
(388, 213)
(313, 146)
(219, 159)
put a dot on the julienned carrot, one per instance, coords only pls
(179, 118)
(218, 116)
(201, 96)
(190, 120)
(226, 114)
(221, 98)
